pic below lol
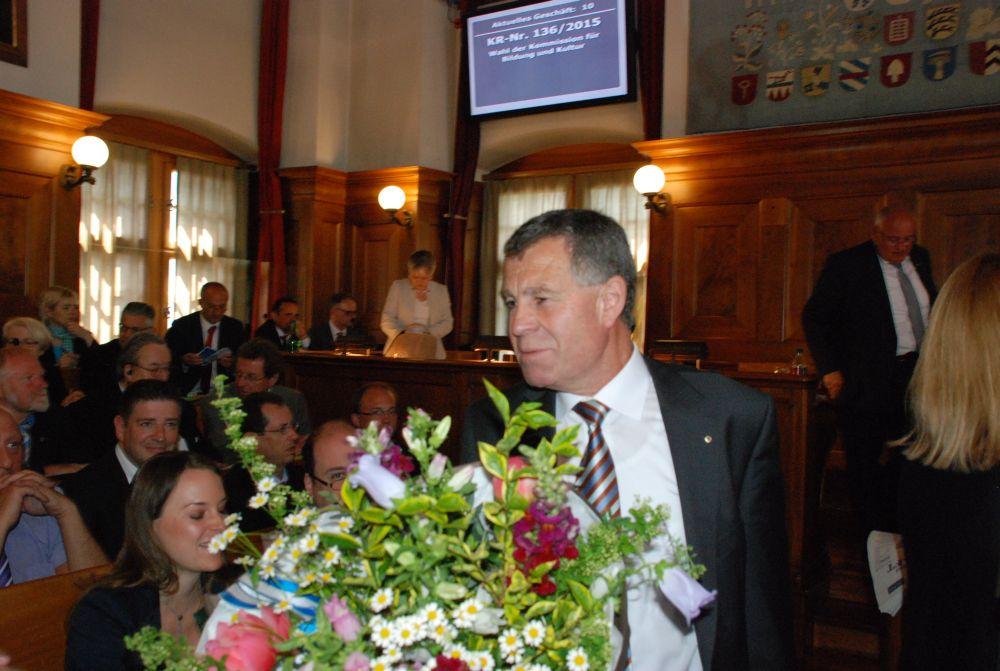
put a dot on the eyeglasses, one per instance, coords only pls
(17, 342)
(897, 240)
(155, 370)
(122, 329)
(346, 312)
(335, 477)
(380, 412)
(16, 445)
(284, 428)
(247, 377)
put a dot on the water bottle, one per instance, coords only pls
(799, 363)
(293, 344)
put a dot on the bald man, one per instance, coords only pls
(327, 457)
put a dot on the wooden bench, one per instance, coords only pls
(33, 618)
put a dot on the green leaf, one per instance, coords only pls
(518, 583)
(439, 518)
(450, 502)
(499, 400)
(494, 462)
(512, 615)
(352, 496)
(450, 591)
(581, 594)
(414, 505)
(539, 609)
(541, 570)
(375, 515)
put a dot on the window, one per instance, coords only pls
(509, 203)
(154, 228)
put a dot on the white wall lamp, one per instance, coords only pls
(391, 199)
(649, 180)
(90, 153)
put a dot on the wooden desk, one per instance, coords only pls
(447, 387)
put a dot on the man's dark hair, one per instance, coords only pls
(139, 309)
(339, 298)
(148, 390)
(363, 389)
(130, 355)
(211, 285)
(253, 406)
(421, 258)
(259, 348)
(597, 243)
(276, 307)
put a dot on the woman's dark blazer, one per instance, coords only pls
(100, 622)
(951, 535)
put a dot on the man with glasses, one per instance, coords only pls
(864, 323)
(278, 328)
(326, 459)
(270, 421)
(258, 368)
(376, 402)
(340, 327)
(97, 369)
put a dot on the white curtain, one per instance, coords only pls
(114, 239)
(208, 244)
(612, 194)
(510, 203)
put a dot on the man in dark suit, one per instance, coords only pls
(270, 420)
(211, 328)
(97, 368)
(343, 312)
(864, 322)
(700, 443)
(284, 318)
(148, 423)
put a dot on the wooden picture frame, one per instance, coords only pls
(14, 32)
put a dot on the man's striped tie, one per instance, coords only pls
(597, 483)
(6, 577)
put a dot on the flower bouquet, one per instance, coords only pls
(495, 565)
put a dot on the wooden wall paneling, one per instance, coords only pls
(958, 225)
(318, 240)
(772, 263)
(377, 249)
(716, 286)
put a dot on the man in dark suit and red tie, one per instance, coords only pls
(864, 323)
(208, 330)
(698, 442)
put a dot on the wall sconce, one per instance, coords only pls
(649, 180)
(90, 153)
(391, 199)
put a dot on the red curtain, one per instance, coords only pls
(463, 182)
(90, 19)
(651, 16)
(269, 280)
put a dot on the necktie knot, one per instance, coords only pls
(593, 412)
(596, 481)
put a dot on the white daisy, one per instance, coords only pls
(282, 606)
(441, 633)
(577, 660)
(510, 643)
(466, 613)
(392, 654)
(382, 599)
(382, 632)
(332, 556)
(266, 484)
(267, 571)
(480, 660)
(345, 524)
(217, 544)
(380, 664)
(245, 560)
(534, 633)
(232, 519)
(431, 614)
(310, 543)
(298, 519)
(407, 631)
(258, 501)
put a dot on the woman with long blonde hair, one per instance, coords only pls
(949, 494)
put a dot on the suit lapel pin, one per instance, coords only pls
(708, 439)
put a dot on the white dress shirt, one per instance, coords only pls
(129, 468)
(905, 340)
(637, 439)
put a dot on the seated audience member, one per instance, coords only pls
(41, 531)
(376, 402)
(147, 424)
(283, 316)
(340, 327)
(269, 419)
(208, 328)
(59, 308)
(949, 490)
(326, 458)
(159, 579)
(258, 368)
(417, 304)
(85, 431)
(24, 394)
(31, 335)
(98, 367)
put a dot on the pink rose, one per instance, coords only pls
(356, 661)
(248, 645)
(525, 486)
(343, 621)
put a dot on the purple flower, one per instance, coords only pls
(343, 621)
(392, 458)
(380, 483)
(356, 661)
(685, 593)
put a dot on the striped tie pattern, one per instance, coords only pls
(6, 577)
(597, 483)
